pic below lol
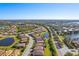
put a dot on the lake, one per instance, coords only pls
(73, 36)
(7, 42)
(46, 35)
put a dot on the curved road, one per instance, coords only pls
(29, 46)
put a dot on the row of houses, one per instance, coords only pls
(10, 30)
(39, 47)
(23, 40)
(27, 25)
(12, 52)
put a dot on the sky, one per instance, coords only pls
(39, 11)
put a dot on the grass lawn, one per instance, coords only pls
(47, 51)
(61, 37)
(42, 34)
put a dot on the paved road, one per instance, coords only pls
(28, 48)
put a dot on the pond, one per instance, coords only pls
(46, 35)
(7, 42)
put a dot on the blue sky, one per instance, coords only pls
(39, 11)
